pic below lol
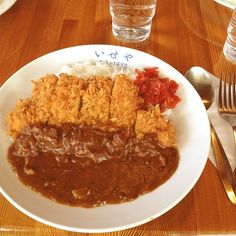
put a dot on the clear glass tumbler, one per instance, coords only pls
(229, 49)
(132, 19)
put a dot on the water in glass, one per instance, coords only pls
(132, 19)
(230, 43)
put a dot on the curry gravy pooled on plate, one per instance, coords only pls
(86, 166)
(90, 142)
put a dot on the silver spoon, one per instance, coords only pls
(201, 81)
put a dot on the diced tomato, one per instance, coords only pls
(150, 72)
(155, 90)
(173, 86)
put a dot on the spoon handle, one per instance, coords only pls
(223, 166)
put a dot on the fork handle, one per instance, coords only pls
(223, 166)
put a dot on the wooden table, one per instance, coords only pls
(185, 33)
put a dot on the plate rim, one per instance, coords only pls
(7, 6)
(226, 4)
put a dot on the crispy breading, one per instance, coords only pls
(33, 110)
(124, 101)
(21, 116)
(43, 90)
(66, 100)
(96, 100)
(152, 121)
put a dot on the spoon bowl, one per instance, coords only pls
(201, 81)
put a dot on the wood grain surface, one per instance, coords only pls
(185, 33)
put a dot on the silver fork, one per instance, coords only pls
(227, 100)
(227, 109)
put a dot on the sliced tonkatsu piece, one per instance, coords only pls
(23, 115)
(43, 90)
(124, 101)
(66, 100)
(152, 121)
(96, 100)
(33, 110)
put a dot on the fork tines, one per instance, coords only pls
(227, 94)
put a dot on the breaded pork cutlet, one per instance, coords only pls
(152, 121)
(124, 101)
(70, 99)
(96, 100)
(66, 100)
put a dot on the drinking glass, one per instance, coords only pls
(132, 19)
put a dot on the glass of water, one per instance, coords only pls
(132, 19)
(229, 48)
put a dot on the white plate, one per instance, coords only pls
(5, 5)
(193, 137)
(227, 3)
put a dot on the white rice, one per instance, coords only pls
(85, 69)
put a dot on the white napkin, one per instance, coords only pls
(223, 129)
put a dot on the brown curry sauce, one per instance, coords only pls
(85, 166)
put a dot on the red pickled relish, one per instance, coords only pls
(155, 90)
